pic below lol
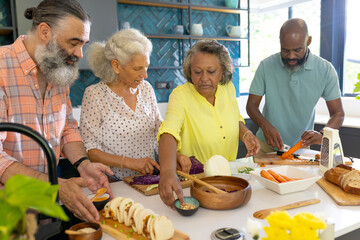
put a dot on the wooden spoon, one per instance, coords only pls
(266, 212)
(99, 192)
(209, 186)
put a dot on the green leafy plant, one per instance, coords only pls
(20, 194)
(357, 87)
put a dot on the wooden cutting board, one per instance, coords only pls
(127, 233)
(142, 188)
(338, 195)
(274, 159)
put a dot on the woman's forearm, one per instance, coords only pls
(167, 152)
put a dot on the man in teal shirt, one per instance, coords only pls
(292, 82)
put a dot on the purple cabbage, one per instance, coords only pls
(196, 166)
(146, 180)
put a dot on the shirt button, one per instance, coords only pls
(36, 85)
(220, 126)
(26, 71)
(223, 137)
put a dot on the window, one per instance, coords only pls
(352, 54)
(264, 34)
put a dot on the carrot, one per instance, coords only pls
(292, 150)
(268, 176)
(277, 176)
(287, 178)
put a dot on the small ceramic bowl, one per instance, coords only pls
(100, 201)
(187, 212)
(86, 236)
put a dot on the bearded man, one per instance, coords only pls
(35, 74)
(293, 81)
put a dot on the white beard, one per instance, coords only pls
(52, 61)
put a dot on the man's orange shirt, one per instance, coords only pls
(21, 102)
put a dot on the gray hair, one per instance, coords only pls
(52, 11)
(122, 46)
(211, 47)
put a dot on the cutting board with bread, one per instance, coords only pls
(274, 159)
(121, 231)
(123, 218)
(147, 190)
(342, 184)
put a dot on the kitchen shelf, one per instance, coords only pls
(184, 6)
(11, 30)
(174, 36)
(171, 48)
(6, 30)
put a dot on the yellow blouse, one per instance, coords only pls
(201, 129)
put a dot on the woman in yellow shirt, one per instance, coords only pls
(202, 117)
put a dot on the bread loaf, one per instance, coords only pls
(345, 177)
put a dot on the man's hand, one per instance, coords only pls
(311, 137)
(183, 163)
(96, 173)
(273, 137)
(142, 165)
(168, 183)
(72, 196)
(252, 144)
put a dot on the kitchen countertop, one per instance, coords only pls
(205, 221)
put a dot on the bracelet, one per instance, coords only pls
(78, 162)
(244, 135)
(121, 161)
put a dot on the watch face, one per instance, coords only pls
(228, 234)
(324, 160)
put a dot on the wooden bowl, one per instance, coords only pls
(238, 192)
(86, 236)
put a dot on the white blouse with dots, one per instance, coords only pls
(108, 124)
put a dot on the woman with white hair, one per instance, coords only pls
(119, 115)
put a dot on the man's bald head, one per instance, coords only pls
(294, 41)
(294, 29)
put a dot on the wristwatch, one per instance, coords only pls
(78, 162)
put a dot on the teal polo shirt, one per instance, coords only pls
(290, 97)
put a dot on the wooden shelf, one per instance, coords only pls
(173, 36)
(6, 30)
(184, 6)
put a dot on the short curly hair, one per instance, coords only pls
(123, 46)
(211, 47)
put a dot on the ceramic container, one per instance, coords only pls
(188, 212)
(233, 31)
(232, 3)
(178, 30)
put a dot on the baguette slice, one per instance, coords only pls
(333, 175)
(346, 178)
(353, 186)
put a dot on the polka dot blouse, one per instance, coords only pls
(108, 124)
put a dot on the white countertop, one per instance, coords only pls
(205, 221)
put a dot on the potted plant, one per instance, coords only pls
(357, 87)
(22, 195)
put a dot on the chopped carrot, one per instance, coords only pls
(277, 176)
(268, 176)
